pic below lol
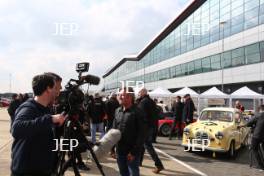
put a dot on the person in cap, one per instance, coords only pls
(188, 109)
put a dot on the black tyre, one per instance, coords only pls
(165, 129)
(232, 150)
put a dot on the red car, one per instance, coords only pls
(166, 123)
(165, 126)
(4, 102)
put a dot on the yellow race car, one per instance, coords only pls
(216, 130)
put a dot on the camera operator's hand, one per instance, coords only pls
(58, 119)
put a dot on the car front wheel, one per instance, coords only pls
(165, 129)
(232, 150)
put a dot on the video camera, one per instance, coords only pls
(72, 97)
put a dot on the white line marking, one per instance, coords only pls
(5, 145)
(180, 162)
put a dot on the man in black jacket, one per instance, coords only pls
(130, 121)
(177, 110)
(32, 130)
(148, 106)
(110, 107)
(258, 135)
(188, 109)
(96, 111)
(13, 107)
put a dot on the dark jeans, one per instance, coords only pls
(149, 147)
(128, 168)
(178, 130)
(155, 132)
(255, 144)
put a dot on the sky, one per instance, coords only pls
(53, 35)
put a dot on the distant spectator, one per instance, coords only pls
(15, 103)
(96, 111)
(239, 106)
(188, 109)
(25, 97)
(177, 108)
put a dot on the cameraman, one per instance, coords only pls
(32, 130)
(258, 137)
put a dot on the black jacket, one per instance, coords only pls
(148, 106)
(177, 110)
(110, 108)
(33, 140)
(96, 110)
(132, 125)
(12, 109)
(188, 110)
(258, 123)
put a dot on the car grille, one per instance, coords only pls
(200, 136)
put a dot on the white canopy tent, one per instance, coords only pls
(160, 92)
(186, 90)
(245, 93)
(213, 93)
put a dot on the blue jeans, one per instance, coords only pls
(94, 127)
(128, 168)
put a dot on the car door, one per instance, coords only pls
(238, 131)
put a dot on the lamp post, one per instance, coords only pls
(10, 82)
(222, 25)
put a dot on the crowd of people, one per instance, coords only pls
(35, 122)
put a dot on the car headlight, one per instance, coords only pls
(186, 131)
(219, 135)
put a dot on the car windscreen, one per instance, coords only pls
(224, 116)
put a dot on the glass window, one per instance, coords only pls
(226, 59)
(198, 66)
(253, 58)
(215, 62)
(251, 4)
(251, 23)
(252, 49)
(237, 3)
(237, 28)
(237, 20)
(191, 68)
(262, 51)
(206, 64)
(184, 68)
(178, 70)
(173, 71)
(238, 57)
(252, 53)
(251, 13)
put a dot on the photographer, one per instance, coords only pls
(32, 130)
(258, 137)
